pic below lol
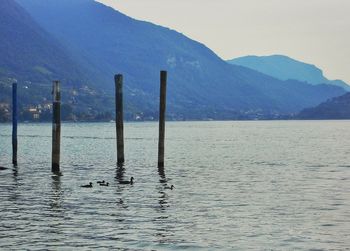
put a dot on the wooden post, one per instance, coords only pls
(162, 108)
(119, 118)
(14, 124)
(56, 127)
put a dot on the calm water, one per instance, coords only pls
(238, 186)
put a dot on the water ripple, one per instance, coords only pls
(238, 186)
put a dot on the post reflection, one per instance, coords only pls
(163, 203)
(121, 204)
(120, 172)
(161, 172)
(15, 173)
(163, 231)
(13, 190)
(163, 200)
(56, 212)
(56, 192)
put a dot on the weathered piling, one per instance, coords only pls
(56, 127)
(162, 108)
(119, 117)
(14, 123)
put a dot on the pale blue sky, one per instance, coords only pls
(313, 31)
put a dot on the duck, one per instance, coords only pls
(101, 182)
(126, 182)
(104, 184)
(2, 168)
(171, 187)
(87, 186)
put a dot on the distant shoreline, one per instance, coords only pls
(172, 121)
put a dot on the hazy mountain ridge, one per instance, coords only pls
(335, 108)
(27, 49)
(100, 42)
(35, 58)
(201, 84)
(284, 68)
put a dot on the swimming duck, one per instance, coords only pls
(2, 168)
(171, 187)
(104, 184)
(100, 182)
(90, 185)
(126, 182)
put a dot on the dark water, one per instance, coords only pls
(238, 186)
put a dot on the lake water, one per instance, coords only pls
(280, 185)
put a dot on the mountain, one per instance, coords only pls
(103, 42)
(284, 68)
(27, 50)
(200, 83)
(335, 108)
(35, 58)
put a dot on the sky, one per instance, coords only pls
(312, 31)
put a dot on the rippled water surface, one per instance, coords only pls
(238, 186)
